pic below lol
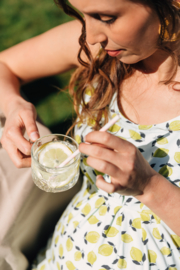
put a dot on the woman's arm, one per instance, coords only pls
(163, 198)
(48, 54)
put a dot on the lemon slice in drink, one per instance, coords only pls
(52, 154)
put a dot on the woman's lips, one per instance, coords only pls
(114, 53)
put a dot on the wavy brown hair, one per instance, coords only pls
(108, 72)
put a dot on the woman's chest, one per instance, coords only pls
(148, 103)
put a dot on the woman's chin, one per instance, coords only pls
(129, 59)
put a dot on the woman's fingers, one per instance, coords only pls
(18, 158)
(22, 117)
(109, 141)
(113, 187)
(105, 167)
(101, 152)
(29, 120)
(98, 151)
(14, 134)
(107, 187)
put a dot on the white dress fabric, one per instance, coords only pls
(110, 231)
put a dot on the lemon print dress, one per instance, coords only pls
(110, 231)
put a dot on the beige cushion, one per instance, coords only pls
(27, 214)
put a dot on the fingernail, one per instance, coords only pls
(34, 136)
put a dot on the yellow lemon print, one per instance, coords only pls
(86, 192)
(126, 238)
(78, 139)
(78, 204)
(60, 251)
(91, 257)
(116, 209)
(161, 152)
(156, 234)
(75, 200)
(172, 268)
(119, 221)
(152, 256)
(165, 251)
(86, 210)
(145, 216)
(59, 226)
(136, 254)
(75, 223)
(63, 229)
(89, 91)
(89, 178)
(79, 124)
(102, 210)
(177, 157)
(115, 128)
(98, 173)
(141, 205)
(166, 171)
(134, 135)
(92, 195)
(85, 161)
(111, 232)
(144, 234)
(122, 264)
(158, 220)
(92, 237)
(147, 211)
(56, 240)
(70, 217)
(93, 220)
(99, 202)
(77, 256)
(91, 122)
(144, 127)
(69, 244)
(114, 115)
(105, 250)
(162, 141)
(70, 265)
(176, 240)
(175, 125)
(58, 266)
(53, 255)
(136, 223)
(42, 267)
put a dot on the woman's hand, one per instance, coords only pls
(130, 172)
(21, 116)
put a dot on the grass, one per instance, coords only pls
(21, 20)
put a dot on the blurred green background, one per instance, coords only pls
(21, 20)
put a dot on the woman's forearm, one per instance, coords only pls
(9, 89)
(163, 198)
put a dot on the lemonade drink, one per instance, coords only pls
(47, 154)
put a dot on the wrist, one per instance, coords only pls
(12, 102)
(156, 192)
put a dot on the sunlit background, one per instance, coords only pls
(21, 20)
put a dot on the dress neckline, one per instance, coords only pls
(164, 125)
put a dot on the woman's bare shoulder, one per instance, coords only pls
(50, 53)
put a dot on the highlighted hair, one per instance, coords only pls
(107, 73)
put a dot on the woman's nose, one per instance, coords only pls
(94, 33)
